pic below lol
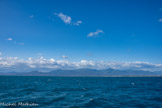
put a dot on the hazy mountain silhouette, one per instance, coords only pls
(86, 72)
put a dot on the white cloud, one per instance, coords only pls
(78, 23)
(160, 20)
(91, 34)
(9, 39)
(15, 42)
(9, 64)
(64, 57)
(67, 19)
(32, 16)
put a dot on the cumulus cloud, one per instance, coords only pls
(92, 34)
(160, 20)
(67, 19)
(16, 64)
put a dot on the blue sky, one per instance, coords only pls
(98, 30)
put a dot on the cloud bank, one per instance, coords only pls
(9, 64)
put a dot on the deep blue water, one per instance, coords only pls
(82, 92)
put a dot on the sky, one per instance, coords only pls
(84, 32)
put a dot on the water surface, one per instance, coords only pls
(82, 92)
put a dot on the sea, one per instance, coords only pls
(80, 92)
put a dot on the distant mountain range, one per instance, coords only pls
(86, 72)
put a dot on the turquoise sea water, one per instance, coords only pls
(81, 92)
